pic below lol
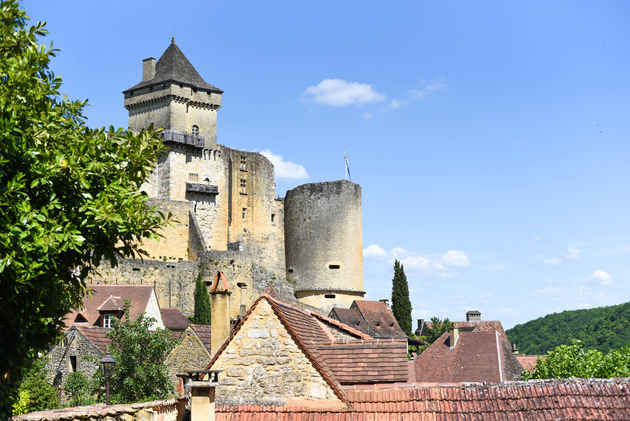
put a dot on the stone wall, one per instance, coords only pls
(73, 344)
(264, 365)
(190, 354)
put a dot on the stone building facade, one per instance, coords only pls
(226, 214)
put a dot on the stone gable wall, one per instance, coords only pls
(58, 366)
(190, 354)
(263, 365)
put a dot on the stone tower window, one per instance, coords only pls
(243, 166)
(273, 217)
(329, 295)
(243, 186)
(244, 213)
(195, 130)
(334, 266)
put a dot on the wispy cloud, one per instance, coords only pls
(571, 254)
(426, 89)
(546, 292)
(445, 265)
(285, 169)
(602, 277)
(341, 93)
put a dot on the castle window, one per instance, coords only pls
(243, 166)
(329, 295)
(334, 266)
(195, 130)
(243, 186)
(244, 213)
(273, 217)
(193, 176)
(290, 270)
(108, 320)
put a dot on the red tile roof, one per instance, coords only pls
(380, 319)
(566, 399)
(96, 336)
(97, 295)
(174, 319)
(476, 357)
(204, 334)
(344, 327)
(367, 361)
(527, 361)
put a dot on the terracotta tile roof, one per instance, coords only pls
(95, 335)
(174, 319)
(380, 319)
(350, 317)
(204, 334)
(566, 399)
(97, 295)
(111, 304)
(344, 327)
(476, 357)
(527, 361)
(304, 324)
(367, 361)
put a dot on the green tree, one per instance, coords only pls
(139, 353)
(35, 393)
(437, 329)
(202, 303)
(401, 305)
(574, 361)
(69, 198)
(77, 386)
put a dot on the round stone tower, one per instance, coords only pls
(324, 244)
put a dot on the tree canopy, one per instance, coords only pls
(573, 360)
(139, 372)
(69, 197)
(602, 328)
(401, 305)
(438, 327)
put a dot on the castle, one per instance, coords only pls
(227, 218)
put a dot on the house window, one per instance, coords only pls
(243, 166)
(193, 176)
(108, 320)
(195, 130)
(73, 362)
(244, 213)
(243, 186)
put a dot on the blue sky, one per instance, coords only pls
(491, 138)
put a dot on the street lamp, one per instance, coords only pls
(107, 368)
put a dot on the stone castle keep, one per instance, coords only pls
(227, 218)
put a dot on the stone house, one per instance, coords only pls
(192, 353)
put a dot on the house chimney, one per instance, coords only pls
(220, 312)
(202, 396)
(454, 335)
(420, 327)
(148, 68)
(385, 301)
(514, 348)
(473, 316)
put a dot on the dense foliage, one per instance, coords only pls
(202, 303)
(574, 361)
(438, 327)
(401, 305)
(69, 198)
(35, 393)
(77, 387)
(139, 353)
(602, 328)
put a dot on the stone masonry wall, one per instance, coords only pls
(190, 354)
(59, 366)
(264, 365)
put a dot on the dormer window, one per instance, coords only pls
(108, 320)
(195, 130)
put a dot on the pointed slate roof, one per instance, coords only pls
(174, 67)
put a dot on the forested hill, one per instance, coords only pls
(602, 328)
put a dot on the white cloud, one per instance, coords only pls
(602, 277)
(429, 87)
(553, 261)
(341, 93)
(572, 254)
(396, 103)
(456, 258)
(374, 250)
(546, 291)
(285, 169)
(436, 265)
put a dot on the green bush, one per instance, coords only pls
(77, 386)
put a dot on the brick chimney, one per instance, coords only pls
(220, 301)
(148, 68)
(473, 316)
(454, 336)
